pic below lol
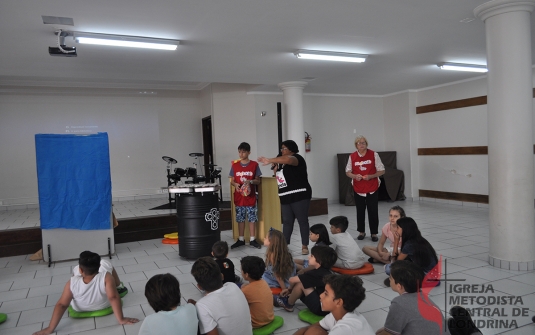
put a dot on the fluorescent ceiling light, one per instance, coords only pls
(332, 56)
(125, 41)
(462, 67)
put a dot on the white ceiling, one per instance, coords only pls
(245, 41)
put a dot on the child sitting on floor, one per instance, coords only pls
(163, 294)
(257, 292)
(349, 254)
(309, 286)
(223, 310)
(279, 262)
(91, 288)
(342, 295)
(220, 252)
(405, 312)
(382, 253)
(319, 235)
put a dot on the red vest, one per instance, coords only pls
(241, 174)
(364, 166)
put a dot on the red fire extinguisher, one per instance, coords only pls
(307, 142)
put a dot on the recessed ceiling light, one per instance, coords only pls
(125, 41)
(462, 67)
(330, 56)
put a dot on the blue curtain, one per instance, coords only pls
(74, 180)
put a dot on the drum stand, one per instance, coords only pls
(215, 173)
(170, 161)
(196, 178)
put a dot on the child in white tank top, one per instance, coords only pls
(93, 287)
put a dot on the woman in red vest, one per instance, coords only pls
(364, 167)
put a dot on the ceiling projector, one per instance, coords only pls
(62, 50)
(55, 51)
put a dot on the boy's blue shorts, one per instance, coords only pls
(250, 211)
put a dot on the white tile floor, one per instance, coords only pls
(29, 290)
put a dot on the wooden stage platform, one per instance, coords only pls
(28, 240)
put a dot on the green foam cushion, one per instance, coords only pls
(307, 316)
(3, 317)
(270, 327)
(81, 315)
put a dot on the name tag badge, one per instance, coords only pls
(281, 181)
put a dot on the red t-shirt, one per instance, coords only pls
(242, 173)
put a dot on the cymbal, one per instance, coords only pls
(196, 154)
(169, 160)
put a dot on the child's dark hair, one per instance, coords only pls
(254, 266)
(163, 292)
(207, 274)
(325, 256)
(321, 230)
(244, 146)
(408, 275)
(348, 288)
(424, 254)
(89, 262)
(340, 222)
(220, 249)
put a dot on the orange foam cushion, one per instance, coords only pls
(169, 241)
(275, 290)
(367, 268)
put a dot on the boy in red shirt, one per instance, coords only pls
(244, 175)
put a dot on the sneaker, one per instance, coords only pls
(275, 297)
(361, 236)
(238, 244)
(387, 282)
(283, 302)
(122, 290)
(371, 260)
(255, 244)
(461, 322)
(304, 250)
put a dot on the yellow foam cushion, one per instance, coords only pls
(172, 236)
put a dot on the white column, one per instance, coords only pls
(510, 132)
(293, 112)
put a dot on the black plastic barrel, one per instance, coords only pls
(198, 224)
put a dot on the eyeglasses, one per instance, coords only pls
(282, 149)
(362, 143)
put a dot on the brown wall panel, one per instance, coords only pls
(466, 197)
(483, 150)
(476, 101)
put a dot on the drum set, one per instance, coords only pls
(190, 173)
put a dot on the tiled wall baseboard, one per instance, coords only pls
(454, 202)
(510, 265)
